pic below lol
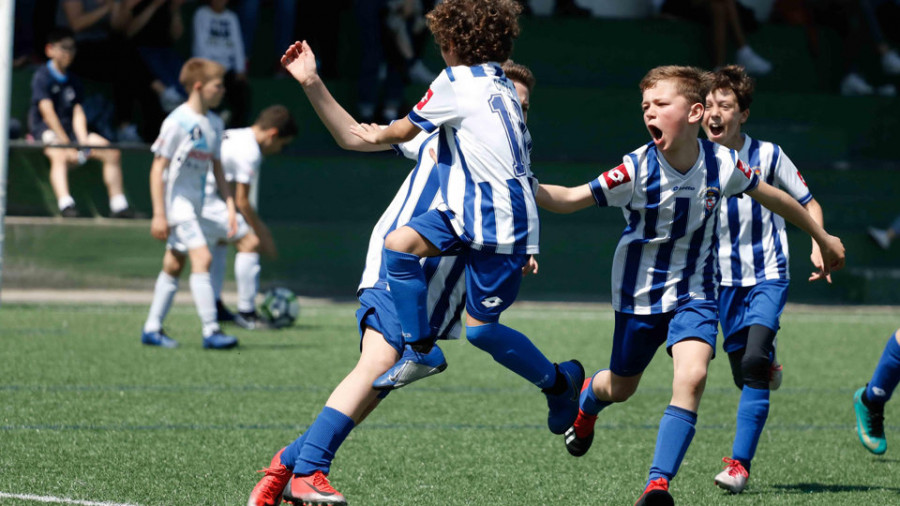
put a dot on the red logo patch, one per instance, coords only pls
(744, 169)
(801, 178)
(425, 99)
(617, 176)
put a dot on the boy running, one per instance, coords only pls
(869, 401)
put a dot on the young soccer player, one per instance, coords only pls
(299, 471)
(489, 215)
(868, 401)
(753, 264)
(188, 141)
(242, 153)
(56, 117)
(664, 269)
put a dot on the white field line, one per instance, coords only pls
(59, 500)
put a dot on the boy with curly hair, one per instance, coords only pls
(488, 214)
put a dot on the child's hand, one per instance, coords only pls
(300, 62)
(531, 267)
(833, 256)
(159, 228)
(368, 133)
(816, 258)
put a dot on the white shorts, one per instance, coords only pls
(185, 236)
(216, 230)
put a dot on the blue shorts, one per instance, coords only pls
(492, 279)
(743, 306)
(636, 337)
(376, 311)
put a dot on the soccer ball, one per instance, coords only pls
(280, 307)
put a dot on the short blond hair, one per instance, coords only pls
(199, 70)
(691, 82)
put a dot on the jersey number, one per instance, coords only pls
(513, 135)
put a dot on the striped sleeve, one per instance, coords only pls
(615, 187)
(788, 177)
(438, 106)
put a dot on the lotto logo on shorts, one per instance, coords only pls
(425, 99)
(490, 302)
(617, 176)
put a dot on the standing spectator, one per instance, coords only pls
(153, 27)
(724, 18)
(56, 117)
(370, 19)
(285, 19)
(104, 55)
(217, 37)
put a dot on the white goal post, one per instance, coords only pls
(7, 24)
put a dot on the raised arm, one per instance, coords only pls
(300, 61)
(779, 202)
(564, 199)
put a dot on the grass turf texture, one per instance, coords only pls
(88, 413)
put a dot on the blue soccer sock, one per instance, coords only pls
(886, 375)
(410, 292)
(676, 430)
(588, 402)
(292, 451)
(323, 438)
(514, 351)
(753, 410)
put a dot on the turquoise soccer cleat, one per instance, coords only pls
(869, 425)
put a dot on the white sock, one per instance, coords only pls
(217, 268)
(163, 294)
(65, 202)
(246, 272)
(202, 290)
(118, 203)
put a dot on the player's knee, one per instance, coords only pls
(691, 377)
(755, 368)
(480, 335)
(737, 371)
(621, 392)
(248, 244)
(172, 264)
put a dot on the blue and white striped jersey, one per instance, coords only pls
(752, 241)
(667, 253)
(190, 141)
(445, 277)
(484, 159)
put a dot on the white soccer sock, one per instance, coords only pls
(65, 202)
(201, 289)
(163, 294)
(118, 203)
(246, 272)
(217, 268)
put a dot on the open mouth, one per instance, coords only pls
(655, 132)
(716, 130)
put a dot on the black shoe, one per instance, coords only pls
(222, 312)
(251, 320)
(575, 445)
(69, 212)
(128, 214)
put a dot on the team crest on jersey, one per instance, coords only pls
(617, 176)
(196, 133)
(425, 99)
(757, 170)
(710, 198)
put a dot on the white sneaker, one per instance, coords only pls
(854, 84)
(419, 73)
(170, 99)
(734, 477)
(880, 237)
(890, 62)
(752, 62)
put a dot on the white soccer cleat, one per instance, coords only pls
(853, 84)
(880, 237)
(734, 477)
(753, 63)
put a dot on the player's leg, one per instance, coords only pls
(219, 252)
(112, 175)
(163, 295)
(60, 159)
(246, 274)
(692, 341)
(869, 400)
(191, 234)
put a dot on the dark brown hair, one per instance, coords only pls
(278, 117)
(735, 78)
(199, 70)
(691, 82)
(519, 73)
(477, 31)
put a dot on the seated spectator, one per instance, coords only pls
(724, 18)
(153, 27)
(217, 37)
(56, 117)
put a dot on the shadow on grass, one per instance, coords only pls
(821, 488)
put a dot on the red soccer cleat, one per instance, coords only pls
(270, 488)
(656, 494)
(313, 490)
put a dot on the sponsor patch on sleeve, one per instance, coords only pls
(615, 177)
(425, 99)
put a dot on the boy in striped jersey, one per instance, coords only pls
(664, 269)
(488, 214)
(753, 264)
(300, 470)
